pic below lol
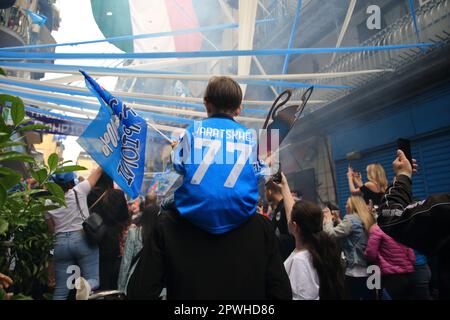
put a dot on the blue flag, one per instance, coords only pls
(116, 140)
(36, 18)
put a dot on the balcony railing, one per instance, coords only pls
(433, 22)
(17, 21)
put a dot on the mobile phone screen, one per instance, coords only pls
(405, 146)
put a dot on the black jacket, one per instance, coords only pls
(192, 264)
(423, 225)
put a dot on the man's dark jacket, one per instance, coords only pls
(192, 264)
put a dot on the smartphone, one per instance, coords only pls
(277, 176)
(405, 146)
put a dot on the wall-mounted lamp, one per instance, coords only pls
(354, 155)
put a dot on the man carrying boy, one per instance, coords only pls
(213, 245)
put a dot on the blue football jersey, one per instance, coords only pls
(218, 160)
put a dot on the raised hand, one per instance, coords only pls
(401, 165)
(357, 179)
(350, 172)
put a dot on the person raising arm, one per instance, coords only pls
(94, 176)
(314, 266)
(422, 225)
(71, 246)
(287, 197)
(373, 190)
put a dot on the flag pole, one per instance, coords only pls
(159, 131)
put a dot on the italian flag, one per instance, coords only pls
(134, 17)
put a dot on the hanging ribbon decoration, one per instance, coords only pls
(201, 54)
(414, 18)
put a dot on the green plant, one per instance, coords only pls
(20, 296)
(25, 243)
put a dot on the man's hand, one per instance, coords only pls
(174, 144)
(401, 165)
(5, 281)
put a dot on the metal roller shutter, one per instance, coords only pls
(432, 154)
(434, 163)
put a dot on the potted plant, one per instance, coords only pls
(25, 243)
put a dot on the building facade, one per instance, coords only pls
(412, 101)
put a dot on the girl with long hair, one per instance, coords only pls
(352, 235)
(114, 211)
(314, 267)
(373, 190)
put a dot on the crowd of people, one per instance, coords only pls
(104, 265)
(208, 241)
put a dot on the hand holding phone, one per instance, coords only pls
(405, 146)
(404, 163)
(277, 178)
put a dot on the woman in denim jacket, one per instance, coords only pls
(352, 235)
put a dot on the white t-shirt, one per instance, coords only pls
(302, 275)
(68, 218)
